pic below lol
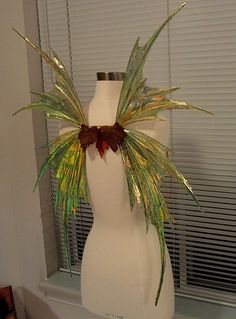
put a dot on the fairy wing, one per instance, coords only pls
(63, 101)
(66, 156)
(150, 103)
(134, 82)
(145, 160)
(139, 102)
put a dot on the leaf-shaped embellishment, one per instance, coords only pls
(105, 137)
(88, 135)
(134, 82)
(64, 85)
(110, 136)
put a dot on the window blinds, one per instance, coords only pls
(197, 52)
(202, 57)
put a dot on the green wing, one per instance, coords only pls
(134, 82)
(66, 156)
(145, 160)
(150, 102)
(67, 160)
(146, 163)
(63, 101)
(138, 102)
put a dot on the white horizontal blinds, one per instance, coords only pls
(103, 33)
(44, 40)
(55, 34)
(203, 63)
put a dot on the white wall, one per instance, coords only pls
(22, 261)
(20, 228)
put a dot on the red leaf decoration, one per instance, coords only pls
(87, 135)
(104, 136)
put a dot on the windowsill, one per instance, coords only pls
(61, 287)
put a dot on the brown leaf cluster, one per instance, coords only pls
(105, 137)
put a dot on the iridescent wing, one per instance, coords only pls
(63, 101)
(145, 160)
(134, 82)
(138, 102)
(66, 157)
(150, 103)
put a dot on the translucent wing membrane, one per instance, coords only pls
(66, 158)
(146, 163)
(54, 107)
(69, 106)
(150, 102)
(134, 82)
(145, 160)
(139, 102)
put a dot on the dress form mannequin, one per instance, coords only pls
(121, 261)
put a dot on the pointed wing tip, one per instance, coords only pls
(20, 110)
(201, 209)
(181, 6)
(205, 111)
(17, 111)
(158, 295)
(14, 29)
(36, 185)
(160, 285)
(18, 32)
(198, 108)
(210, 113)
(178, 9)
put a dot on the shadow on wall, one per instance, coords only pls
(37, 308)
(18, 294)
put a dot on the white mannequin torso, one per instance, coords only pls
(121, 262)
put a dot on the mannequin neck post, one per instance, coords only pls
(108, 90)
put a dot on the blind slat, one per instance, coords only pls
(200, 57)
